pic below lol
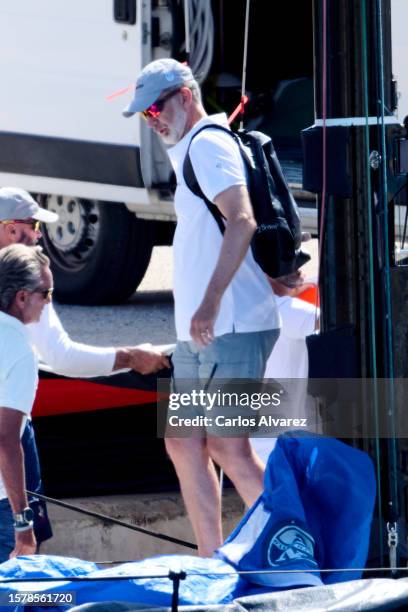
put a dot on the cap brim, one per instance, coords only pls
(140, 103)
(46, 216)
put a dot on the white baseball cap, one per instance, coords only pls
(156, 77)
(17, 204)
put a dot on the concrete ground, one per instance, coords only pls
(88, 538)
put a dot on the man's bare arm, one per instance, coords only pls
(12, 471)
(11, 458)
(235, 205)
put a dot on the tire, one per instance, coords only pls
(99, 251)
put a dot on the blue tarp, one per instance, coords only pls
(315, 513)
(203, 584)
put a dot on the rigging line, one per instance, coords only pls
(371, 268)
(244, 60)
(384, 182)
(199, 574)
(324, 144)
(392, 446)
(109, 519)
(369, 187)
(187, 28)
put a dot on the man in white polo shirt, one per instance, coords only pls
(25, 288)
(226, 318)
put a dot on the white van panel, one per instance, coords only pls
(63, 93)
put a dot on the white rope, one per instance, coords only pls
(245, 57)
(187, 27)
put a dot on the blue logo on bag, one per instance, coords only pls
(291, 543)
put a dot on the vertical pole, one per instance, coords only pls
(176, 578)
(358, 102)
(352, 91)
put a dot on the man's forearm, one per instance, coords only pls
(12, 472)
(235, 205)
(237, 238)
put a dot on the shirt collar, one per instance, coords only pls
(179, 150)
(13, 322)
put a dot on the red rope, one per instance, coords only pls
(239, 110)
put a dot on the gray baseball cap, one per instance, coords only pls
(156, 77)
(18, 204)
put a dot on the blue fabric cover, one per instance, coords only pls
(197, 588)
(315, 513)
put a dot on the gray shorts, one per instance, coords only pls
(218, 368)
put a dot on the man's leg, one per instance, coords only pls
(230, 357)
(200, 489)
(242, 465)
(194, 467)
(6, 530)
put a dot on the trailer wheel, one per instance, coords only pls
(99, 250)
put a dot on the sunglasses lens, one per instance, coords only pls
(47, 293)
(152, 111)
(156, 108)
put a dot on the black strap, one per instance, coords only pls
(191, 179)
(113, 521)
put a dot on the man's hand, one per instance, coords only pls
(291, 284)
(147, 362)
(141, 360)
(25, 544)
(202, 323)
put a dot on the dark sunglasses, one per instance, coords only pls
(45, 293)
(156, 108)
(33, 223)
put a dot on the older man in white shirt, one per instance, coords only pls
(25, 288)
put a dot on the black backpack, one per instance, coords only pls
(278, 237)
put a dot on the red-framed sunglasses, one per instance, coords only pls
(33, 223)
(156, 108)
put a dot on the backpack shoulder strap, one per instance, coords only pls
(191, 179)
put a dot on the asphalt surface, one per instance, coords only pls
(147, 316)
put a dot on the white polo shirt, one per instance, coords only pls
(18, 371)
(248, 303)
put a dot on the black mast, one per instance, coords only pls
(361, 288)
